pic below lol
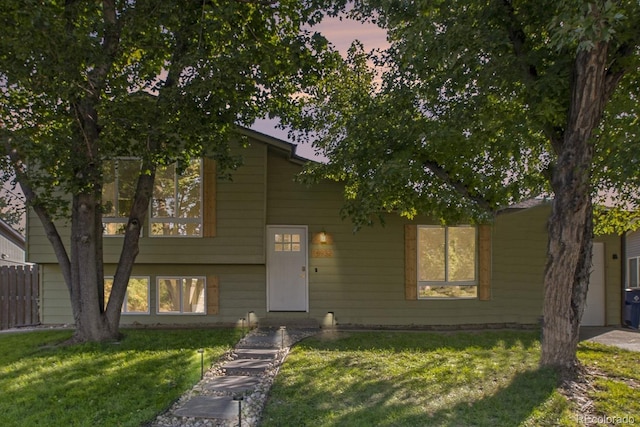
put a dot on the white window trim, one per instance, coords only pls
(180, 313)
(124, 220)
(124, 303)
(445, 283)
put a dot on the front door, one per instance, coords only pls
(593, 314)
(287, 284)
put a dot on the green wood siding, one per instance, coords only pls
(363, 281)
(358, 276)
(240, 225)
(241, 290)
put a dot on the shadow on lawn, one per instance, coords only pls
(511, 405)
(440, 387)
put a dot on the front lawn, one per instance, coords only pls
(126, 383)
(486, 378)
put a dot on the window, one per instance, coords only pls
(120, 180)
(181, 295)
(633, 272)
(176, 207)
(447, 262)
(287, 243)
(136, 300)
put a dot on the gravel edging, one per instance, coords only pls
(253, 400)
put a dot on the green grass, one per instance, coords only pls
(432, 379)
(617, 379)
(45, 383)
(382, 378)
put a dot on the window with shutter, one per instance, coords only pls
(447, 262)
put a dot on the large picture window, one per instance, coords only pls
(176, 207)
(181, 295)
(447, 262)
(120, 180)
(136, 300)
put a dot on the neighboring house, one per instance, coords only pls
(632, 262)
(12, 246)
(265, 247)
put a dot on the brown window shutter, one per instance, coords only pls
(213, 295)
(484, 262)
(410, 262)
(209, 193)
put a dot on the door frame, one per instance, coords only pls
(304, 235)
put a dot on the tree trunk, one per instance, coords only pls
(130, 245)
(570, 226)
(87, 279)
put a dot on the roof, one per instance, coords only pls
(288, 148)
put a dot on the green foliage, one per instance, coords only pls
(464, 112)
(168, 81)
(126, 383)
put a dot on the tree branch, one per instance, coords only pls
(518, 40)
(46, 219)
(458, 185)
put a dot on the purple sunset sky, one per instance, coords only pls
(340, 33)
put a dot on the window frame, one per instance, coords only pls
(628, 281)
(177, 220)
(124, 220)
(475, 283)
(123, 309)
(181, 312)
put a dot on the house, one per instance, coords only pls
(631, 281)
(12, 246)
(632, 259)
(264, 247)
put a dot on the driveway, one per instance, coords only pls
(628, 339)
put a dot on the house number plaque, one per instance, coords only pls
(322, 253)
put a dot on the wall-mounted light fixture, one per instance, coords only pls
(323, 237)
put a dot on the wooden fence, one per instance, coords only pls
(18, 296)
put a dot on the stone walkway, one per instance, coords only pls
(233, 392)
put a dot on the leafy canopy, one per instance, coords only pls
(168, 80)
(463, 113)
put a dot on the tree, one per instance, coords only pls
(83, 83)
(479, 104)
(12, 209)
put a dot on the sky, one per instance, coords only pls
(340, 33)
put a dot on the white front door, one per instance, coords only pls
(593, 314)
(287, 284)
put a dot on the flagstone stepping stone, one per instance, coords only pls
(253, 353)
(254, 366)
(233, 383)
(221, 407)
